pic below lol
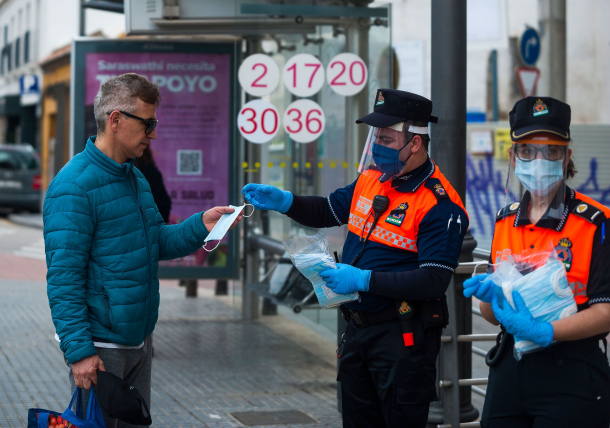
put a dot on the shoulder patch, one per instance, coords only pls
(507, 211)
(435, 185)
(587, 211)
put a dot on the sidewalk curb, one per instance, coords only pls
(30, 220)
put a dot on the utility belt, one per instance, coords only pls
(433, 313)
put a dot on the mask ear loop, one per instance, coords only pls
(474, 272)
(209, 251)
(249, 215)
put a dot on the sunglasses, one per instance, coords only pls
(150, 124)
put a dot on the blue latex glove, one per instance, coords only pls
(265, 197)
(521, 323)
(480, 287)
(346, 279)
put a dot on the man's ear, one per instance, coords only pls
(113, 121)
(416, 144)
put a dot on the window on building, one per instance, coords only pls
(17, 51)
(26, 47)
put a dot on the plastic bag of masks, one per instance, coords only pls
(542, 282)
(310, 255)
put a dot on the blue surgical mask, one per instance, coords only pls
(222, 226)
(539, 176)
(387, 159)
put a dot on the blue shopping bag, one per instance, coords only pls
(38, 418)
(94, 417)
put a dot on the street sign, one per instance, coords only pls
(528, 79)
(29, 89)
(529, 47)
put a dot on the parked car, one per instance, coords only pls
(20, 180)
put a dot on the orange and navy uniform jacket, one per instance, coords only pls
(424, 226)
(578, 238)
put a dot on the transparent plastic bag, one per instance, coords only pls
(542, 282)
(310, 255)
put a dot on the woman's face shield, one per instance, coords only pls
(385, 151)
(537, 177)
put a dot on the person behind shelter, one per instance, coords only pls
(388, 363)
(566, 384)
(148, 167)
(104, 237)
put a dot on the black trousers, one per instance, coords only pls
(548, 389)
(383, 382)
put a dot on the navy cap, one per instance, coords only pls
(392, 106)
(540, 114)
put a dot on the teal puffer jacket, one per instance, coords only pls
(104, 237)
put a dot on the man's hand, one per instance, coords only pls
(85, 371)
(346, 279)
(211, 217)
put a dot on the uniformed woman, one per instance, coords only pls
(566, 384)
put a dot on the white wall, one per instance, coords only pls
(588, 54)
(52, 24)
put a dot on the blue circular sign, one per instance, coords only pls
(529, 48)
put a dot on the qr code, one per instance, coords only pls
(189, 162)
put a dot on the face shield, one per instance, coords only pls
(386, 150)
(537, 179)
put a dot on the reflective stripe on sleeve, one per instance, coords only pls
(383, 234)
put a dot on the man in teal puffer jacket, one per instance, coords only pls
(104, 237)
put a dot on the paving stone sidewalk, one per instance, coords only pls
(207, 364)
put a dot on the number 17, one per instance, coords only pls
(293, 68)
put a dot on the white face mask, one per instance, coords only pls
(223, 224)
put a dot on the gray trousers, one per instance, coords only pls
(133, 365)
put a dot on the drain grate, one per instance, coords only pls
(279, 417)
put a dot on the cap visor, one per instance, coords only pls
(527, 131)
(380, 120)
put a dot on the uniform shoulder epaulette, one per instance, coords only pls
(587, 211)
(437, 188)
(507, 210)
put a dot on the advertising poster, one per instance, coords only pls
(192, 151)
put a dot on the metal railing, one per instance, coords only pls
(449, 367)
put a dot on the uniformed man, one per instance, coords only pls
(567, 384)
(401, 268)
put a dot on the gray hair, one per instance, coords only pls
(121, 93)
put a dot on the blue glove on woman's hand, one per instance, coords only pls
(480, 287)
(520, 323)
(346, 279)
(265, 197)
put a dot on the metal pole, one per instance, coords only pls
(356, 41)
(191, 287)
(250, 298)
(552, 64)
(448, 149)
(494, 85)
(82, 24)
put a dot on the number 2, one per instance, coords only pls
(255, 84)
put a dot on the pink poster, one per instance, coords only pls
(191, 150)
